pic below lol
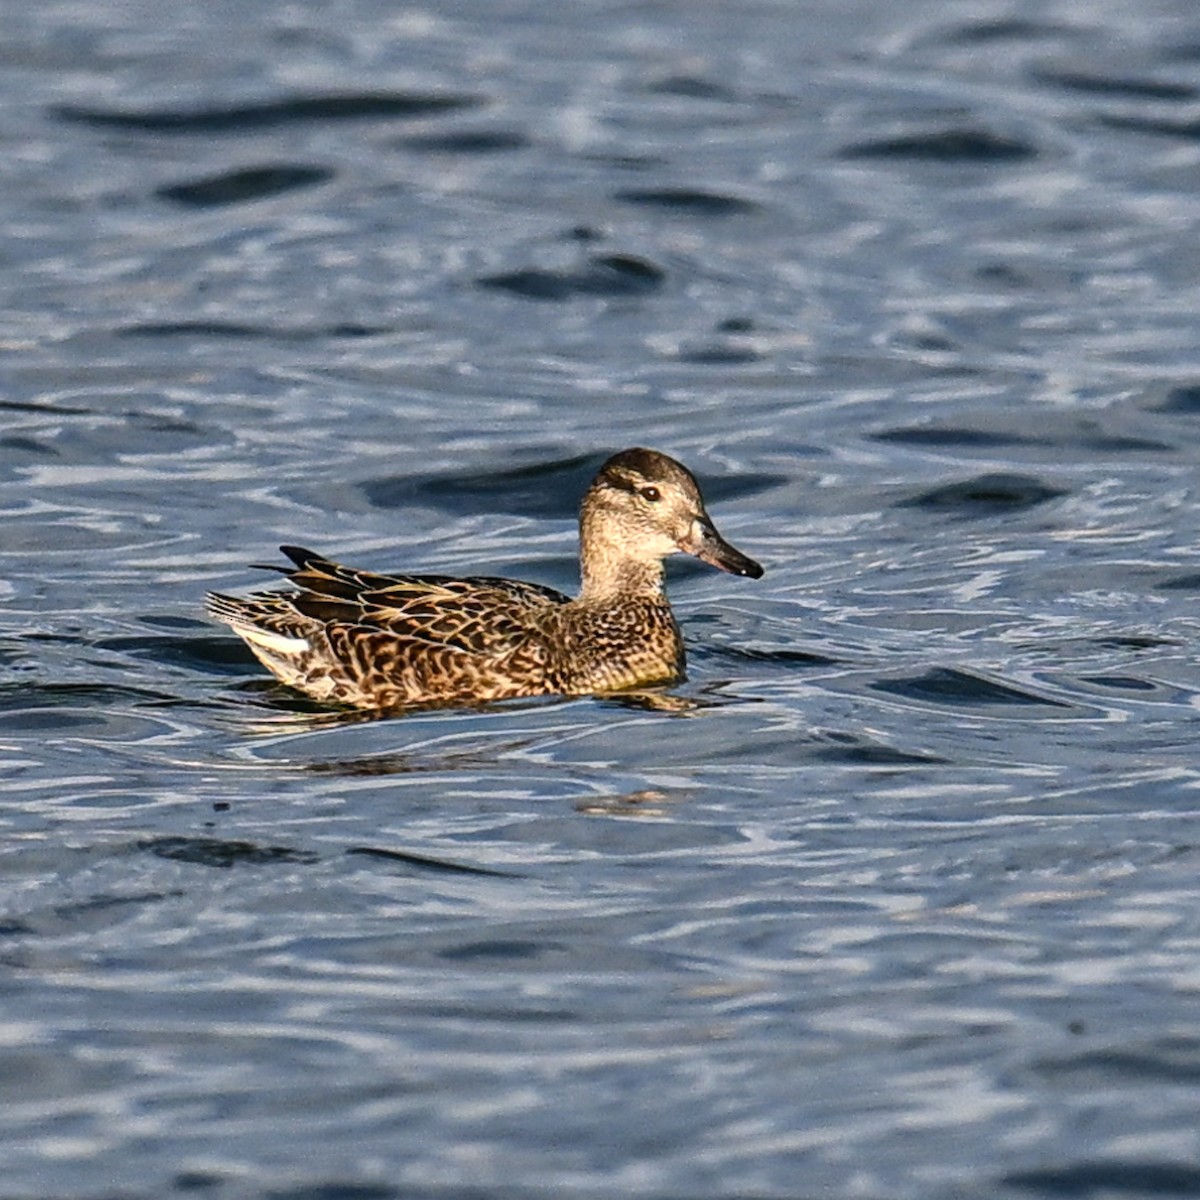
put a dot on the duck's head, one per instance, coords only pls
(643, 506)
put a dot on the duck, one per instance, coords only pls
(387, 643)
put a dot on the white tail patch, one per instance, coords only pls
(277, 643)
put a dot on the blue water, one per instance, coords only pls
(900, 901)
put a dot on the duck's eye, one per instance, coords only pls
(650, 493)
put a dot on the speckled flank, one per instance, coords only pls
(390, 642)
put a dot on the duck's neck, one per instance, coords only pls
(608, 573)
(623, 580)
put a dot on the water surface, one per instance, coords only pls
(902, 903)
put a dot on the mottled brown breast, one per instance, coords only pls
(597, 649)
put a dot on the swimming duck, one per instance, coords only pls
(389, 642)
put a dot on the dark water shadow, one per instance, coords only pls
(1101, 83)
(1108, 1178)
(855, 750)
(609, 276)
(465, 142)
(21, 444)
(690, 87)
(424, 862)
(1186, 582)
(268, 114)
(951, 436)
(719, 354)
(1003, 29)
(687, 201)
(1126, 684)
(986, 495)
(962, 146)
(55, 409)
(233, 330)
(349, 1189)
(1183, 399)
(29, 694)
(1164, 126)
(244, 185)
(545, 489)
(962, 689)
(1073, 435)
(1162, 1062)
(1133, 641)
(772, 656)
(212, 654)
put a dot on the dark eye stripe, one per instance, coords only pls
(622, 482)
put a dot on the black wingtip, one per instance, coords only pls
(300, 556)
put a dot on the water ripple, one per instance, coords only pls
(913, 293)
(268, 114)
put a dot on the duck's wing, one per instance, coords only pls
(328, 578)
(478, 614)
(307, 645)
